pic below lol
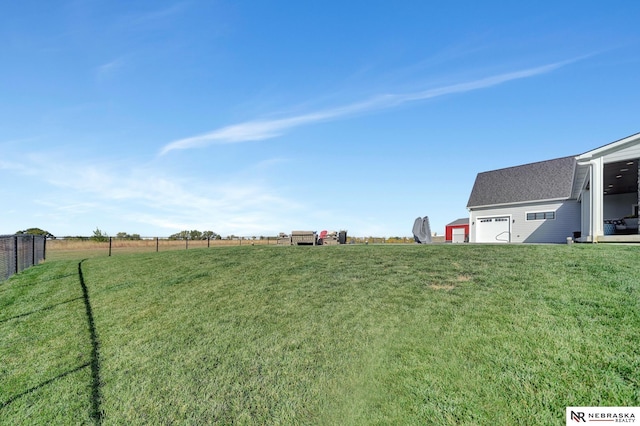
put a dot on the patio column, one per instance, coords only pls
(596, 225)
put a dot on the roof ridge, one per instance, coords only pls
(530, 164)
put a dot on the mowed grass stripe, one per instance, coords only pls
(458, 334)
(44, 347)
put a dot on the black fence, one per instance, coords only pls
(19, 252)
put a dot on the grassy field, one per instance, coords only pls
(350, 335)
(60, 249)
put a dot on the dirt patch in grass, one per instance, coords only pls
(445, 287)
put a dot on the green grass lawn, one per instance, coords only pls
(378, 334)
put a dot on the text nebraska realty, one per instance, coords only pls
(579, 416)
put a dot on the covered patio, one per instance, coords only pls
(606, 184)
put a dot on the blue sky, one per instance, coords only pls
(253, 118)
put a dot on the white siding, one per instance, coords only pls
(566, 222)
(631, 152)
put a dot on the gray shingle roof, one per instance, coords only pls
(463, 221)
(545, 180)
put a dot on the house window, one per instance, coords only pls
(541, 215)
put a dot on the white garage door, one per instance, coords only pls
(458, 235)
(493, 230)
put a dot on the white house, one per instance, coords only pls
(591, 197)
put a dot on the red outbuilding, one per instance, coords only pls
(457, 231)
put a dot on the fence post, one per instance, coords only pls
(186, 243)
(33, 250)
(208, 242)
(157, 244)
(109, 246)
(44, 248)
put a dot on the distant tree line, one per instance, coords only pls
(195, 235)
(36, 231)
(125, 236)
(101, 236)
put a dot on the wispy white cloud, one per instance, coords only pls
(256, 130)
(110, 195)
(108, 69)
(154, 16)
(8, 165)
